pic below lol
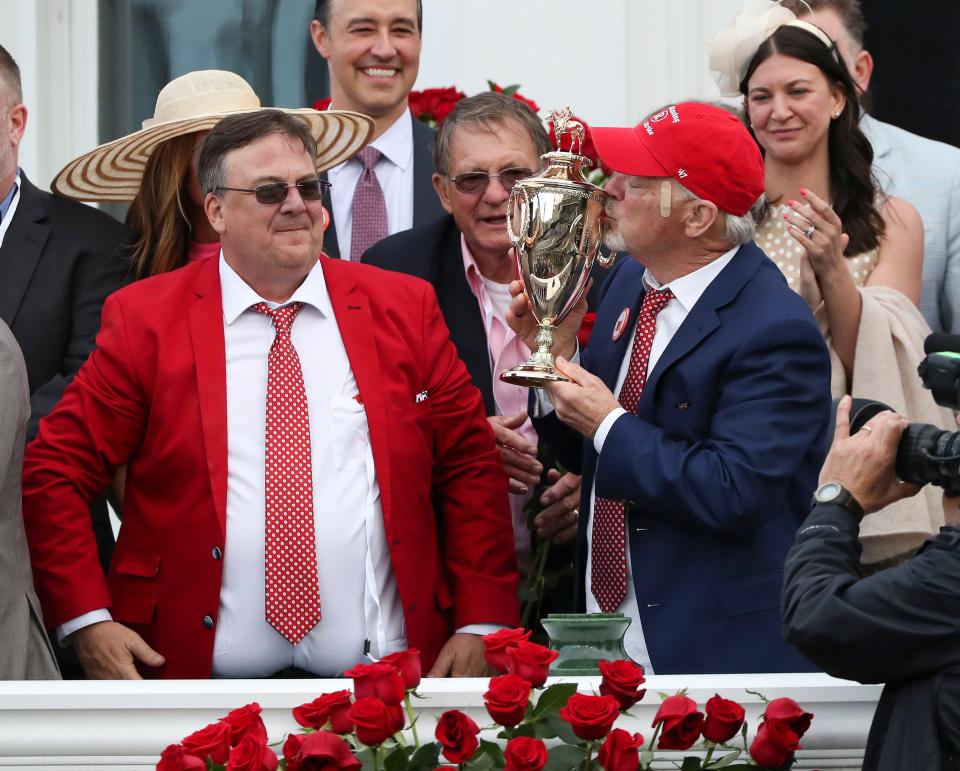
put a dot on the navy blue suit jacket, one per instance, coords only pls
(716, 469)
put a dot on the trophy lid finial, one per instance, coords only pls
(565, 123)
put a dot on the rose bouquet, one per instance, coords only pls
(553, 728)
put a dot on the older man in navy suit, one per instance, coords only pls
(701, 406)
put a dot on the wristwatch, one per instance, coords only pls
(834, 492)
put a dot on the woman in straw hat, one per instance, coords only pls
(155, 168)
(854, 254)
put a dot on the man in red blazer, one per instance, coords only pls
(366, 435)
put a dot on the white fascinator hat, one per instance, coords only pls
(734, 47)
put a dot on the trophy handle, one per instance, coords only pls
(524, 216)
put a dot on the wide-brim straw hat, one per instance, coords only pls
(195, 102)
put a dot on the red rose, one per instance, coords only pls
(620, 751)
(374, 721)
(724, 718)
(320, 751)
(252, 754)
(496, 645)
(408, 664)
(243, 721)
(507, 699)
(774, 743)
(525, 754)
(681, 723)
(176, 758)
(784, 710)
(212, 741)
(622, 680)
(434, 103)
(531, 662)
(330, 708)
(457, 733)
(322, 104)
(586, 328)
(378, 681)
(590, 717)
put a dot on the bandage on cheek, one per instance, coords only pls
(666, 198)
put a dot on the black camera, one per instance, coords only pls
(927, 454)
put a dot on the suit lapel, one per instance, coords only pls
(426, 202)
(351, 307)
(209, 350)
(21, 250)
(703, 319)
(331, 246)
(462, 314)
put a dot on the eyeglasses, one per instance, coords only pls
(276, 192)
(474, 182)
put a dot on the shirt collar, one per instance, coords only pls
(395, 144)
(8, 199)
(237, 295)
(688, 289)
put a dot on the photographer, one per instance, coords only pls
(900, 626)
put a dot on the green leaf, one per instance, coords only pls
(511, 89)
(365, 756)
(564, 757)
(539, 730)
(690, 763)
(493, 751)
(427, 756)
(563, 730)
(396, 760)
(479, 762)
(552, 699)
(725, 761)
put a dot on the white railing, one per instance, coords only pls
(125, 725)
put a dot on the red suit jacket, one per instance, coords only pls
(152, 396)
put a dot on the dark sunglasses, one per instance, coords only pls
(473, 182)
(276, 192)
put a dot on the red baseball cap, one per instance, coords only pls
(705, 148)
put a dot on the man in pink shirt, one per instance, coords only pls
(488, 143)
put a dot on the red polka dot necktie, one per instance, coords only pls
(369, 213)
(608, 558)
(290, 554)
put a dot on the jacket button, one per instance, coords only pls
(217, 554)
(207, 622)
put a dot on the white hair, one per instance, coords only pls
(738, 229)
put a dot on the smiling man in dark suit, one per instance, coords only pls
(700, 410)
(372, 48)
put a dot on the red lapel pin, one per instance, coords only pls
(621, 325)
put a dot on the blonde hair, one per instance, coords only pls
(158, 213)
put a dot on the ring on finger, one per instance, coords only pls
(574, 514)
(868, 429)
(808, 233)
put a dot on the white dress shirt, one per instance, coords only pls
(394, 172)
(686, 291)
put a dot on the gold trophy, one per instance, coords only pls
(553, 220)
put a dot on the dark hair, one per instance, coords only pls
(848, 10)
(241, 130)
(10, 76)
(491, 110)
(852, 186)
(321, 13)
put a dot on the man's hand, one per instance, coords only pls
(107, 651)
(582, 403)
(519, 457)
(522, 321)
(461, 656)
(864, 463)
(557, 523)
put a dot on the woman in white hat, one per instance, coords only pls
(155, 168)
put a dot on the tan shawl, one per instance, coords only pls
(889, 348)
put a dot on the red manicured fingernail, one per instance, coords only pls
(804, 191)
(791, 202)
(787, 216)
